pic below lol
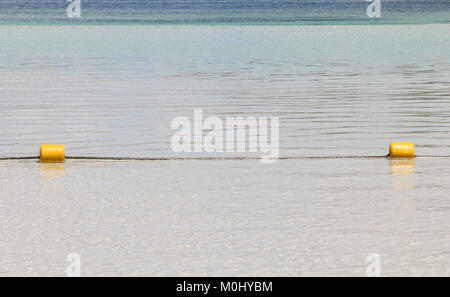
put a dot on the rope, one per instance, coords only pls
(193, 158)
(215, 158)
(18, 158)
(211, 158)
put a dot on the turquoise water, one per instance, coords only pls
(112, 84)
(232, 12)
(114, 90)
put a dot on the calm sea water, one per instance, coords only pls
(110, 83)
(114, 90)
(227, 218)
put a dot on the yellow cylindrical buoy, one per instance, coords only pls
(52, 153)
(401, 150)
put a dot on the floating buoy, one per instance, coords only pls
(404, 150)
(52, 153)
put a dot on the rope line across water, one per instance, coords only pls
(210, 158)
(205, 158)
(214, 158)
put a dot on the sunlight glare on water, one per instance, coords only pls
(227, 218)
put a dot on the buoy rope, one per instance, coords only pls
(194, 158)
(18, 158)
(87, 158)
(214, 158)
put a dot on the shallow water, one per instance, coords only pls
(308, 217)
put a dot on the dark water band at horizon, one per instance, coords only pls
(231, 12)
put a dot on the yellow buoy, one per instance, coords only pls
(52, 153)
(403, 150)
